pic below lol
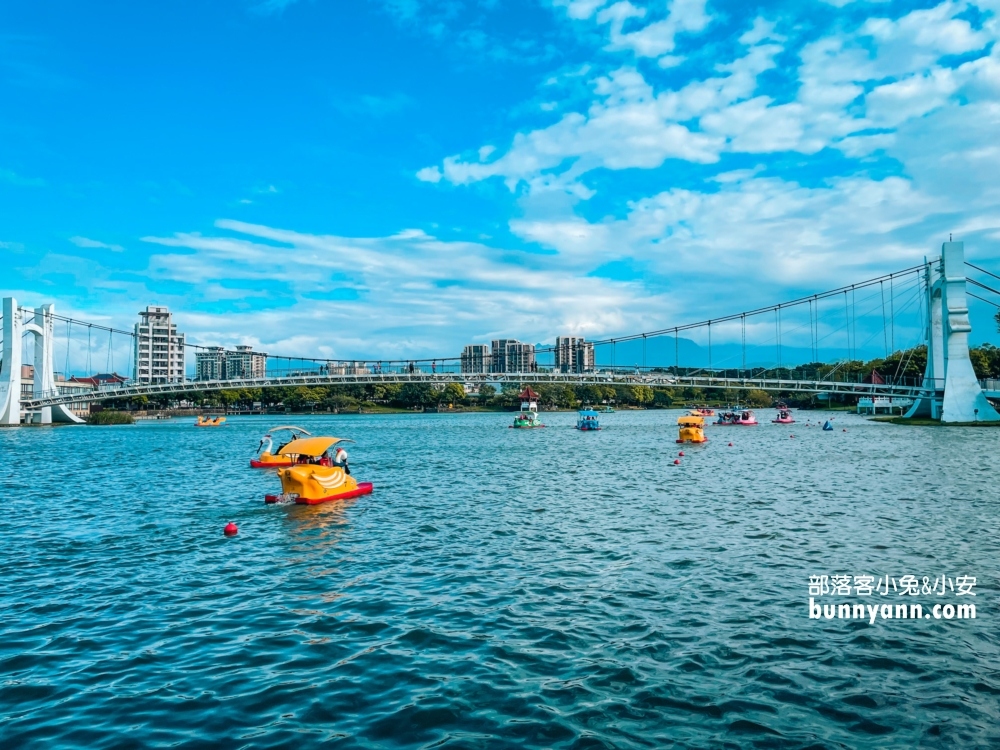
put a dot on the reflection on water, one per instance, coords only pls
(545, 588)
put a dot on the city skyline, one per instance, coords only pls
(594, 169)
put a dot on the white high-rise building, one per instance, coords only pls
(159, 348)
(476, 359)
(573, 354)
(511, 355)
(210, 364)
(215, 363)
(245, 363)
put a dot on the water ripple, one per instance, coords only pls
(500, 589)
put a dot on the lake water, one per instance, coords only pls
(501, 588)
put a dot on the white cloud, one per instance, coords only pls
(656, 38)
(580, 9)
(88, 243)
(761, 30)
(843, 3)
(919, 39)
(416, 294)
(913, 96)
(429, 174)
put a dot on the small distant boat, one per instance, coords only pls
(210, 421)
(745, 418)
(606, 410)
(587, 421)
(692, 429)
(322, 479)
(784, 417)
(702, 411)
(285, 455)
(527, 418)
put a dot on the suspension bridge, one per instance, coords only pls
(925, 304)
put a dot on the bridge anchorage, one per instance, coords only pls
(948, 390)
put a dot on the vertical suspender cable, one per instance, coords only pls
(892, 314)
(777, 337)
(677, 355)
(69, 335)
(847, 325)
(854, 320)
(743, 321)
(885, 331)
(812, 331)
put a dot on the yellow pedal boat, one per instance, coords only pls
(210, 421)
(323, 479)
(692, 429)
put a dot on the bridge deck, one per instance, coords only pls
(534, 378)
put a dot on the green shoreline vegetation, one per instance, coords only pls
(110, 416)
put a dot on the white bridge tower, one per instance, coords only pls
(953, 393)
(42, 327)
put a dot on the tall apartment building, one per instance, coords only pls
(210, 364)
(476, 358)
(511, 355)
(159, 348)
(573, 354)
(245, 363)
(215, 363)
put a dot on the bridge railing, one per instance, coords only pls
(294, 376)
(654, 377)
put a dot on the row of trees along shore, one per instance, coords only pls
(903, 366)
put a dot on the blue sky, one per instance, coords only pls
(399, 178)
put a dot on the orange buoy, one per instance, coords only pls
(231, 529)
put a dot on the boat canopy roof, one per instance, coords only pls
(312, 446)
(291, 427)
(588, 413)
(690, 419)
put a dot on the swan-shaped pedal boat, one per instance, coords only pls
(322, 479)
(268, 458)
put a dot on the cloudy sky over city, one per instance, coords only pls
(400, 178)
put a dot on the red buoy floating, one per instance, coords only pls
(730, 445)
(845, 429)
(677, 462)
(681, 453)
(231, 529)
